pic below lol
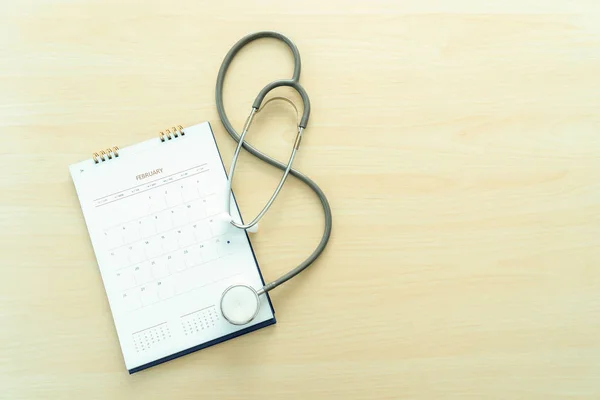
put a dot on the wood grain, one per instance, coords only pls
(458, 142)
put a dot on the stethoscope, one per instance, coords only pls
(240, 303)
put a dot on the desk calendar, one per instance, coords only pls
(163, 257)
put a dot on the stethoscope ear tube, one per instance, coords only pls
(234, 160)
(290, 83)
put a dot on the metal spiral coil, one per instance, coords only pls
(171, 133)
(105, 155)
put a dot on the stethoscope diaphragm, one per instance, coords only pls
(239, 304)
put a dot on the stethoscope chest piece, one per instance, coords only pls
(239, 304)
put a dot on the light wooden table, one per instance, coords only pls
(459, 144)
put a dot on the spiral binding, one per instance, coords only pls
(172, 133)
(110, 153)
(105, 155)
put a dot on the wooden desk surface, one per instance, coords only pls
(459, 145)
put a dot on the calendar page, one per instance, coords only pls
(164, 258)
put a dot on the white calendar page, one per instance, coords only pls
(163, 257)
